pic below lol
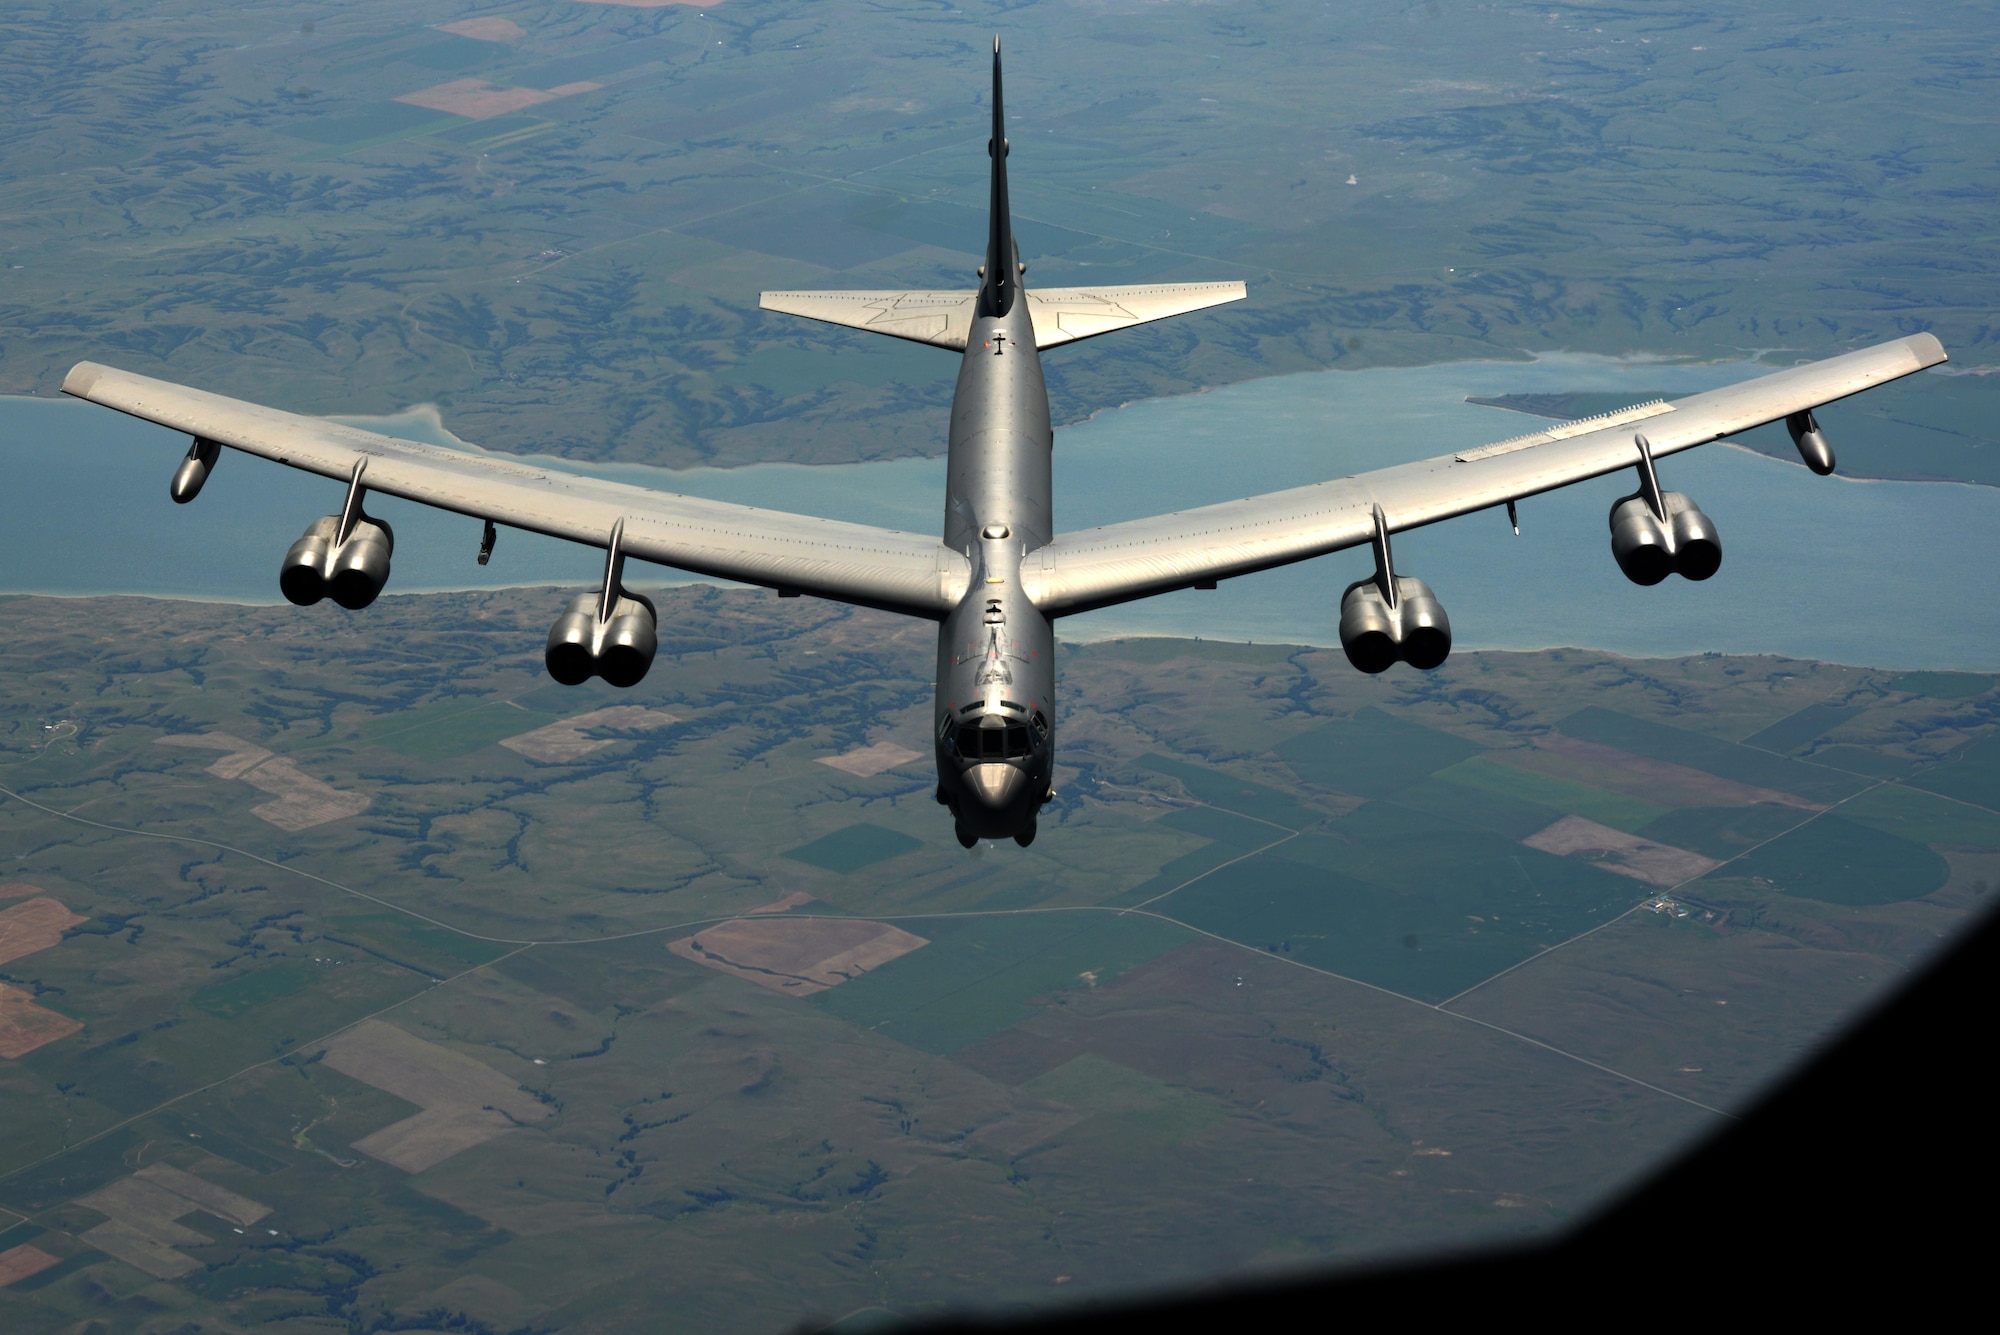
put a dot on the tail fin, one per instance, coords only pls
(1001, 278)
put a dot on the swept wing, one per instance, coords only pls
(853, 563)
(1117, 563)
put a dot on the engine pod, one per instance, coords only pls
(629, 640)
(619, 649)
(1640, 543)
(570, 655)
(302, 575)
(357, 570)
(1426, 629)
(1368, 628)
(1697, 546)
(1376, 636)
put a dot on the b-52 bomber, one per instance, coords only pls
(1000, 574)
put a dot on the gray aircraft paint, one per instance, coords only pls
(996, 651)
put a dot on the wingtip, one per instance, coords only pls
(82, 378)
(1927, 348)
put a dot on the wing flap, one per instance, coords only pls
(941, 319)
(1117, 563)
(1067, 314)
(855, 563)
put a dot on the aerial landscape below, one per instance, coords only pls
(355, 975)
(477, 997)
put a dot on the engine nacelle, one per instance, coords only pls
(352, 573)
(1648, 550)
(619, 648)
(1375, 635)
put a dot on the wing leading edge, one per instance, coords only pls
(852, 563)
(1059, 314)
(1100, 567)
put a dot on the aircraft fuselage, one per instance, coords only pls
(994, 725)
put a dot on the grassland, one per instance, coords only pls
(1279, 984)
(239, 199)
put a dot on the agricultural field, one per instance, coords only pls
(580, 1005)
(552, 218)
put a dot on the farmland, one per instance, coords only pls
(1293, 977)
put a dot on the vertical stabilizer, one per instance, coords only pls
(1001, 280)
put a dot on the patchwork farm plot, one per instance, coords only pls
(643, 971)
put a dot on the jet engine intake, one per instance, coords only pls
(619, 648)
(1376, 635)
(612, 633)
(1390, 618)
(1658, 533)
(1648, 550)
(352, 573)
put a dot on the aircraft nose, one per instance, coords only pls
(996, 787)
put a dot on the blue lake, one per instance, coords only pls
(1885, 574)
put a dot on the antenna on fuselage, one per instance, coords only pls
(1000, 276)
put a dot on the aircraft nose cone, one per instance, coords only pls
(996, 787)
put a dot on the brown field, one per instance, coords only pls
(17, 1263)
(797, 956)
(1658, 781)
(20, 890)
(465, 1102)
(35, 925)
(475, 98)
(572, 89)
(560, 743)
(867, 761)
(301, 800)
(486, 29)
(142, 1229)
(24, 1026)
(1626, 854)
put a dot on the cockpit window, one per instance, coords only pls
(981, 743)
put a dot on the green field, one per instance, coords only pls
(1839, 861)
(853, 848)
(978, 977)
(1373, 754)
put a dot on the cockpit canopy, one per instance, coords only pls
(997, 736)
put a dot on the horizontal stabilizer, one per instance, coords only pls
(1066, 314)
(1059, 314)
(941, 319)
